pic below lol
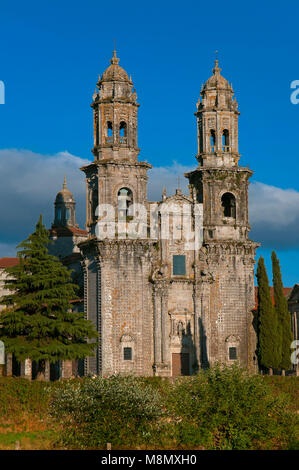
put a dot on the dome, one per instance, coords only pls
(216, 80)
(64, 195)
(114, 72)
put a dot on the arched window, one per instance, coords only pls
(212, 140)
(109, 129)
(109, 134)
(123, 132)
(125, 199)
(228, 202)
(67, 214)
(58, 214)
(225, 140)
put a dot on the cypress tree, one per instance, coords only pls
(268, 338)
(283, 315)
(38, 323)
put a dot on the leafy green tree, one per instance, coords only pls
(225, 407)
(283, 315)
(38, 322)
(269, 345)
(118, 409)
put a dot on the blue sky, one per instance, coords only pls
(53, 51)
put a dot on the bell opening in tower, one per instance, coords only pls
(228, 202)
(213, 140)
(109, 135)
(125, 200)
(123, 132)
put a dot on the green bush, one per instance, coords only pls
(120, 410)
(226, 408)
(222, 408)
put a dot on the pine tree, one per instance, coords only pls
(283, 315)
(268, 337)
(38, 323)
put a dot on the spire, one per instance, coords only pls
(178, 190)
(64, 183)
(216, 70)
(114, 59)
(164, 194)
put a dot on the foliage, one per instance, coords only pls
(220, 408)
(24, 414)
(120, 410)
(269, 344)
(18, 394)
(226, 408)
(283, 315)
(38, 322)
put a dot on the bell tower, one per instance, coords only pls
(217, 123)
(65, 208)
(117, 267)
(115, 115)
(116, 176)
(218, 182)
(224, 272)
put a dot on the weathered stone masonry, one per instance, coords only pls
(161, 309)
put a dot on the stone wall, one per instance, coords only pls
(119, 303)
(229, 303)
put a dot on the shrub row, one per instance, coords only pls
(222, 408)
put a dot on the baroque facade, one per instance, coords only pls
(159, 308)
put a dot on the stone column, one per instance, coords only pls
(26, 369)
(8, 365)
(164, 326)
(85, 272)
(47, 371)
(66, 369)
(205, 134)
(205, 323)
(218, 134)
(161, 329)
(197, 319)
(157, 326)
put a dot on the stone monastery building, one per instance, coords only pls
(161, 308)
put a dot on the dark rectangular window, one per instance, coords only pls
(179, 265)
(127, 354)
(233, 353)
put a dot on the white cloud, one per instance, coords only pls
(274, 215)
(30, 181)
(272, 205)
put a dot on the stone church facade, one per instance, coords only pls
(159, 308)
(161, 305)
